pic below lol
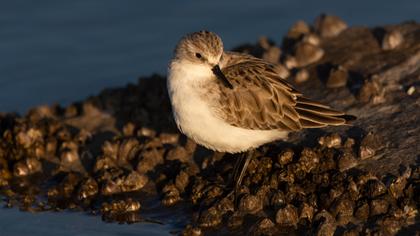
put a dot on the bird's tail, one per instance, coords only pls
(316, 115)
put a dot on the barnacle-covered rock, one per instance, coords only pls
(329, 25)
(250, 204)
(287, 216)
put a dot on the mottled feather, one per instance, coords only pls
(262, 100)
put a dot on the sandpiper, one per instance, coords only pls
(232, 102)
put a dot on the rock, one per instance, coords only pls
(287, 216)
(392, 40)
(378, 206)
(375, 188)
(285, 157)
(298, 29)
(192, 231)
(329, 26)
(312, 39)
(210, 218)
(301, 76)
(307, 53)
(337, 78)
(346, 161)
(370, 143)
(272, 55)
(330, 141)
(326, 224)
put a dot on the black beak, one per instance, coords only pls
(219, 74)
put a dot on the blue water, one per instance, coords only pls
(16, 223)
(56, 51)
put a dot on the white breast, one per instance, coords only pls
(195, 118)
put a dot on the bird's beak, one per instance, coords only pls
(219, 74)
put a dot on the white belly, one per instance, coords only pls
(195, 118)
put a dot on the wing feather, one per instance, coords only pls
(261, 99)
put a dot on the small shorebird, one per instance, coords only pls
(232, 102)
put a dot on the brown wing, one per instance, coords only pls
(260, 99)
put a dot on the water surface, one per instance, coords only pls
(56, 51)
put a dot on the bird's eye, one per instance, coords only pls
(198, 55)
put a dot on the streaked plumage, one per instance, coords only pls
(254, 106)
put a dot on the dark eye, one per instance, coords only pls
(198, 55)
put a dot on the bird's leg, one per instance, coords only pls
(239, 170)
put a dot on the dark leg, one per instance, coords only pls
(239, 171)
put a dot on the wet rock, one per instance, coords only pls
(396, 185)
(330, 141)
(329, 26)
(264, 43)
(343, 210)
(306, 211)
(210, 218)
(370, 143)
(272, 54)
(168, 138)
(370, 91)
(28, 138)
(70, 161)
(178, 153)
(374, 188)
(298, 29)
(278, 200)
(130, 182)
(337, 78)
(346, 161)
(378, 206)
(325, 224)
(349, 143)
(149, 159)
(65, 189)
(312, 39)
(171, 195)
(290, 62)
(250, 204)
(352, 232)
(192, 231)
(301, 75)
(353, 190)
(390, 225)
(123, 211)
(287, 216)
(182, 180)
(121, 206)
(129, 129)
(308, 160)
(88, 189)
(263, 227)
(146, 132)
(27, 167)
(307, 53)
(392, 40)
(128, 150)
(235, 220)
(285, 157)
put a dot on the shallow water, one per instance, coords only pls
(62, 51)
(17, 223)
